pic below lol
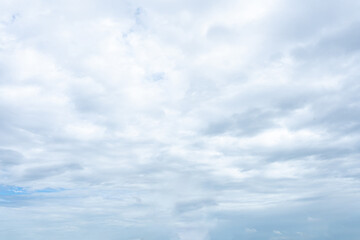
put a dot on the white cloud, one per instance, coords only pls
(160, 119)
(251, 230)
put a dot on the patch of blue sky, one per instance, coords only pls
(15, 196)
(157, 76)
(8, 190)
(49, 190)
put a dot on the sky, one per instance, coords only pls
(179, 120)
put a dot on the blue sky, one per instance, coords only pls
(179, 120)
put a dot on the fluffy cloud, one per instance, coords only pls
(179, 119)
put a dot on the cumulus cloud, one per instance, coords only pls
(179, 119)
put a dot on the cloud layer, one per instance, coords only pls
(181, 120)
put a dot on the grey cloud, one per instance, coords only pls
(266, 221)
(302, 20)
(339, 44)
(41, 172)
(183, 207)
(249, 122)
(10, 157)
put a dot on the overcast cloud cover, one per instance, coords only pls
(179, 120)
